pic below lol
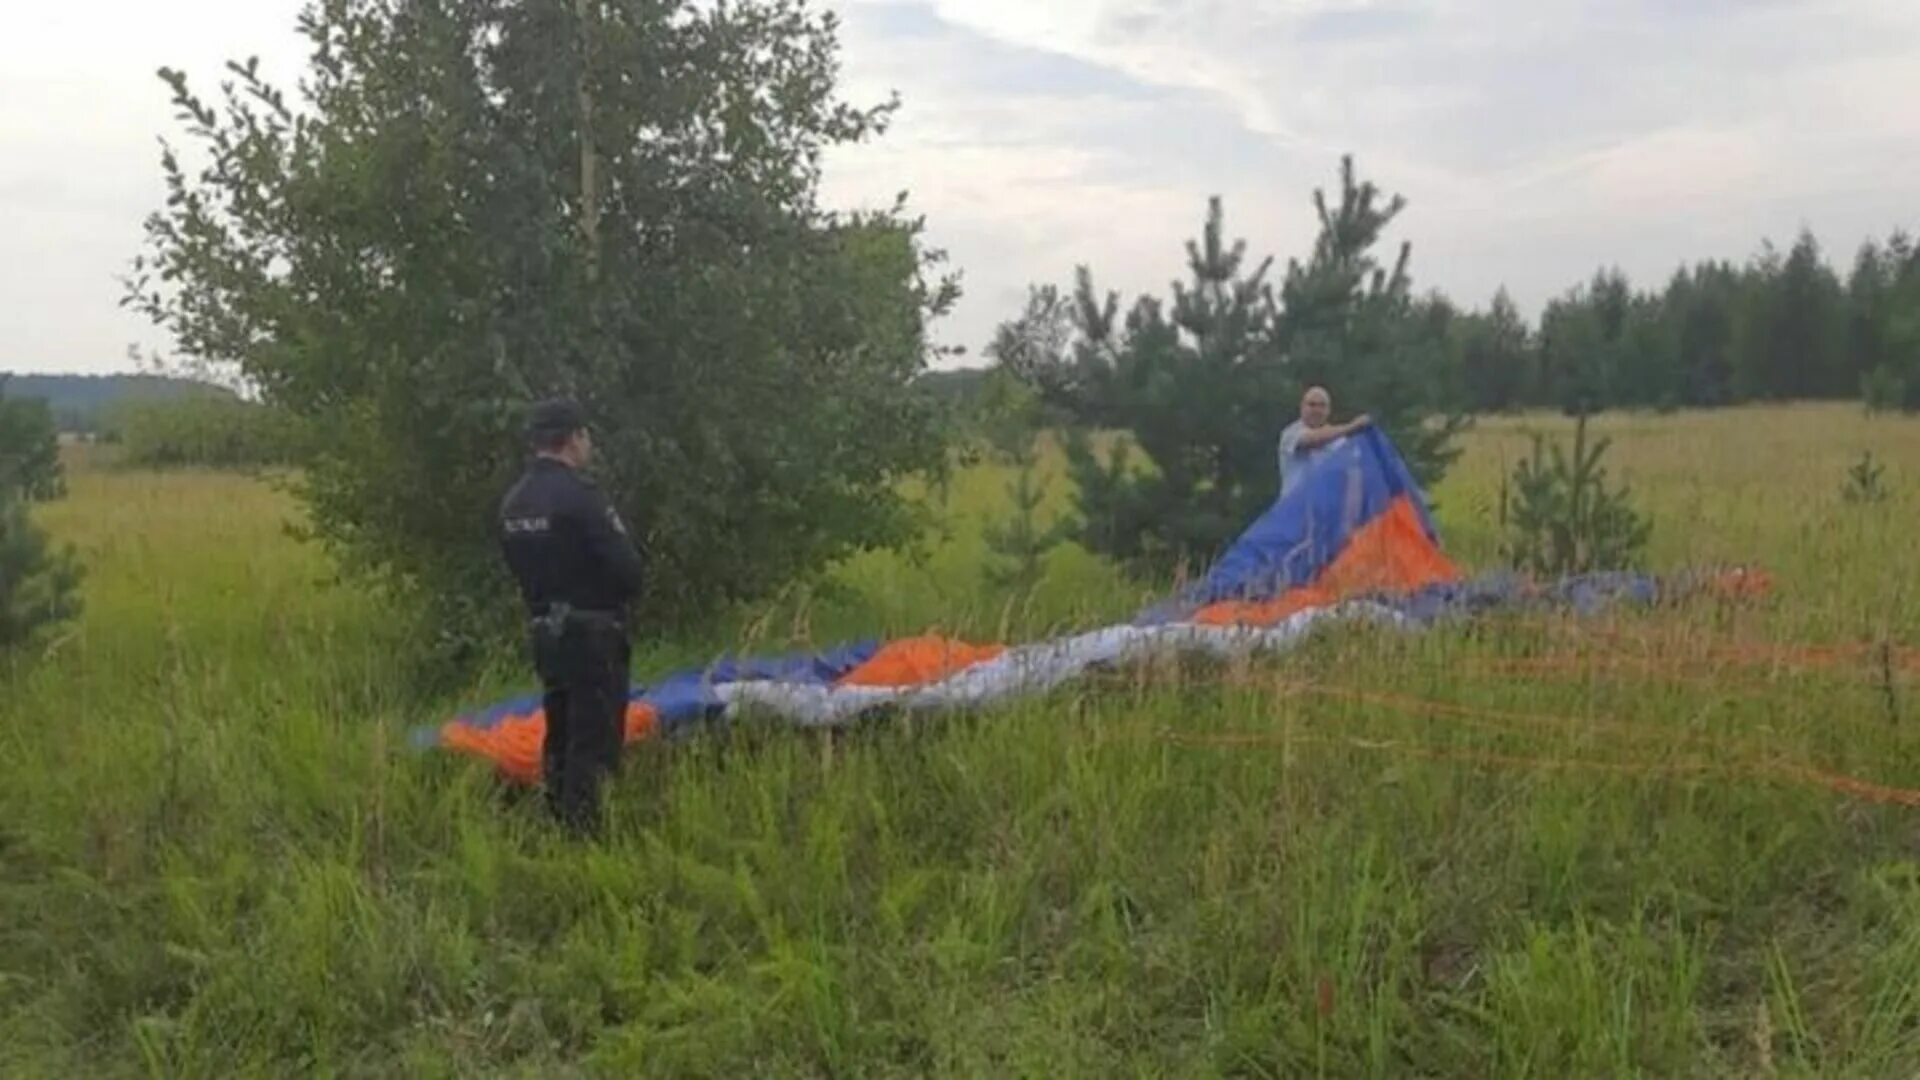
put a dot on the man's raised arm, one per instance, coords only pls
(1321, 436)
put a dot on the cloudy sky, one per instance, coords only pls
(1533, 139)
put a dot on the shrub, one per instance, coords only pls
(209, 432)
(1561, 517)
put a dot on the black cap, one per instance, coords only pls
(557, 417)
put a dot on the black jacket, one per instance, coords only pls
(565, 544)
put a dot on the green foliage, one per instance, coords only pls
(1202, 385)
(1887, 326)
(1019, 542)
(1863, 483)
(1010, 420)
(29, 448)
(208, 432)
(1561, 518)
(39, 585)
(1779, 327)
(1885, 389)
(80, 403)
(483, 204)
(1351, 323)
(1492, 356)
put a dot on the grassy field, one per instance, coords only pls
(1646, 842)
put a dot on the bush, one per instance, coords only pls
(1864, 483)
(1885, 390)
(210, 432)
(1562, 519)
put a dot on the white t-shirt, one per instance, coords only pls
(1293, 456)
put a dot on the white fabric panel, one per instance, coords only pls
(1029, 669)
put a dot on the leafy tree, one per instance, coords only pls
(480, 204)
(39, 585)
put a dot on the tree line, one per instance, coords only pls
(1778, 327)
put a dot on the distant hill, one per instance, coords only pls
(77, 400)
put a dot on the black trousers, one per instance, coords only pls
(584, 673)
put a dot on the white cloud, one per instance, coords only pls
(1535, 139)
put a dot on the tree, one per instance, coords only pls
(1011, 421)
(1350, 322)
(29, 448)
(1699, 309)
(485, 203)
(39, 585)
(1493, 354)
(1561, 518)
(1884, 304)
(1790, 335)
(1195, 385)
(1190, 394)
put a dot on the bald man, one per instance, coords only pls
(1306, 437)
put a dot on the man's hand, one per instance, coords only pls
(1359, 422)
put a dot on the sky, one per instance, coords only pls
(1534, 140)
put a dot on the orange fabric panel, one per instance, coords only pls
(915, 660)
(1263, 612)
(1391, 553)
(513, 744)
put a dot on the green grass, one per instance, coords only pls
(1525, 847)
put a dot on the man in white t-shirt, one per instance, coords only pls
(1309, 435)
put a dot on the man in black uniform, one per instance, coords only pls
(577, 570)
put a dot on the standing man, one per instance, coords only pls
(1305, 438)
(577, 570)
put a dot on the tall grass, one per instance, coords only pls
(1524, 847)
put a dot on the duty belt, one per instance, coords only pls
(553, 621)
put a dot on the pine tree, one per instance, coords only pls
(1191, 393)
(1350, 322)
(1699, 306)
(1493, 355)
(1195, 387)
(1894, 383)
(29, 448)
(1011, 413)
(39, 585)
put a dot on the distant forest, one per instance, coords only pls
(79, 402)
